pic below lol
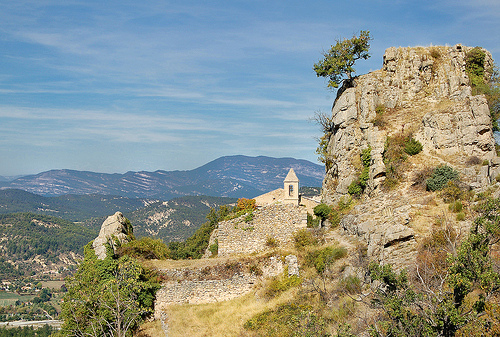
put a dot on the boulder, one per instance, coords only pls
(115, 230)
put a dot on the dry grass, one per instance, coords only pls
(150, 329)
(223, 319)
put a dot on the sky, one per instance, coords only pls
(115, 86)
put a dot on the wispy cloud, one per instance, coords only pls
(155, 80)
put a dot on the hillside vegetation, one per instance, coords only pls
(176, 219)
(32, 243)
(69, 207)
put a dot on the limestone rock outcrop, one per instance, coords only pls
(424, 92)
(115, 230)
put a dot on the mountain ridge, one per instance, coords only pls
(228, 176)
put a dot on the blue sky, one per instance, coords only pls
(116, 86)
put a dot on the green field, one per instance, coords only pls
(8, 298)
(52, 284)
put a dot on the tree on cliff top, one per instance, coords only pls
(339, 60)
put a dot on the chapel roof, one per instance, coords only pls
(291, 176)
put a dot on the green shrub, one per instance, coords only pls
(366, 157)
(357, 187)
(312, 222)
(452, 192)
(146, 248)
(412, 147)
(461, 216)
(440, 177)
(344, 204)
(321, 259)
(350, 285)
(335, 218)
(214, 248)
(282, 283)
(394, 158)
(288, 320)
(474, 66)
(322, 211)
(272, 242)
(249, 217)
(304, 238)
(456, 206)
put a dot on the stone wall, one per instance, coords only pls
(220, 282)
(198, 292)
(277, 221)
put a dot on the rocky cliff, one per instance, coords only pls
(420, 93)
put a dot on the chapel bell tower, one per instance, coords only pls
(291, 187)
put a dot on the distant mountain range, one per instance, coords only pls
(231, 176)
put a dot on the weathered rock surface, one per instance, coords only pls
(420, 91)
(425, 91)
(384, 225)
(113, 230)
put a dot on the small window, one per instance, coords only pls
(290, 190)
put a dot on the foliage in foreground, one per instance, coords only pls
(107, 297)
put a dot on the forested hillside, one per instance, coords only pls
(176, 219)
(70, 207)
(32, 243)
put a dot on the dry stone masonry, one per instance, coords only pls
(275, 221)
(222, 282)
